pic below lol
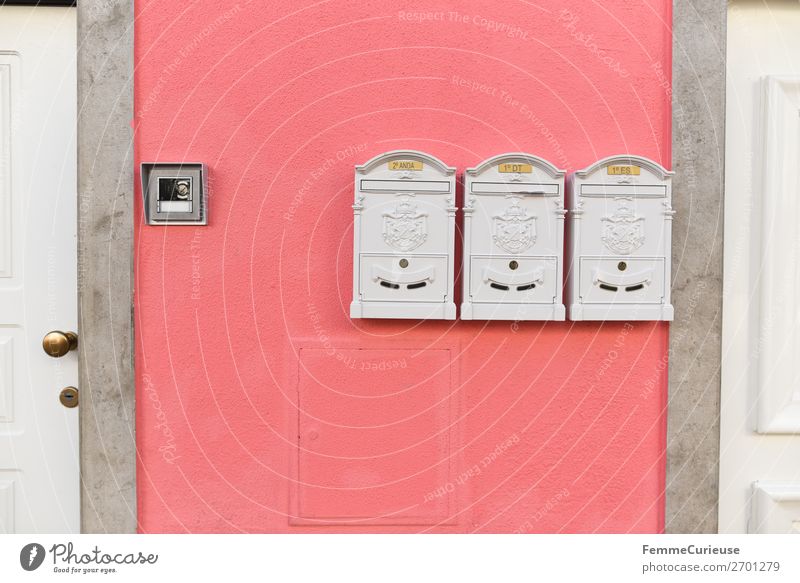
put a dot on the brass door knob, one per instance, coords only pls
(57, 343)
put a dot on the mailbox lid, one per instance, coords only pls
(516, 203)
(404, 222)
(513, 280)
(624, 225)
(622, 280)
(406, 199)
(516, 225)
(403, 278)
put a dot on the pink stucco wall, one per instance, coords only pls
(261, 406)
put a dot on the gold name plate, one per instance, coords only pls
(405, 165)
(515, 168)
(623, 170)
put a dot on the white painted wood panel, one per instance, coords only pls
(39, 467)
(6, 379)
(759, 416)
(7, 513)
(5, 169)
(779, 366)
(775, 508)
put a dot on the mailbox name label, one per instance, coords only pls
(405, 165)
(515, 168)
(623, 170)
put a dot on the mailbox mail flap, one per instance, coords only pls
(513, 280)
(414, 278)
(633, 281)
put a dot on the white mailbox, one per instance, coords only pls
(403, 237)
(620, 241)
(513, 240)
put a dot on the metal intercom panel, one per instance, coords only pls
(175, 193)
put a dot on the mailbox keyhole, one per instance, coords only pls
(622, 266)
(513, 265)
(404, 263)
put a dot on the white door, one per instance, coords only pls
(39, 479)
(760, 401)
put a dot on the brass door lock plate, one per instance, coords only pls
(69, 397)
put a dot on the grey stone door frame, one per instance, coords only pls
(698, 158)
(105, 265)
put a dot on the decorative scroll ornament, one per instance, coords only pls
(514, 230)
(405, 228)
(623, 232)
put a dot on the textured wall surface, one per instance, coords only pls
(262, 406)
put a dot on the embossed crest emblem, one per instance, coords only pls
(623, 232)
(405, 228)
(514, 230)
